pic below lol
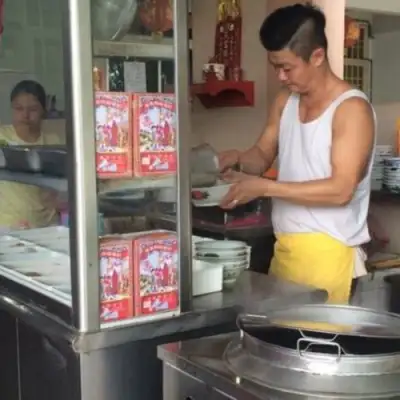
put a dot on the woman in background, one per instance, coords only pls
(26, 206)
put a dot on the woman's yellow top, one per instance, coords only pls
(21, 205)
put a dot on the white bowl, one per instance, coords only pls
(224, 261)
(222, 254)
(209, 197)
(221, 245)
(233, 273)
(230, 276)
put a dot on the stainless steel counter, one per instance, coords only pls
(195, 369)
(254, 292)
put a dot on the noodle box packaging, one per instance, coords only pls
(114, 135)
(156, 288)
(116, 279)
(154, 134)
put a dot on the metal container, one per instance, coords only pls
(45, 159)
(204, 160)
(53, 160)
(2, 158)
(392, 283)
(21, 159)
(320, 351)
(112, 19)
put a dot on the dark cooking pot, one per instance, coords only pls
(393, 293)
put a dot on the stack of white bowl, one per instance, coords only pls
(233, 255)
(391, 179)
(381, 154)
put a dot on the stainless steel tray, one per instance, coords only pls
(45, 159)
(21, 159)
(53, 160)
(38, 259)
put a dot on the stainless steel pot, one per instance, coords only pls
(204, 160)
(112, 19)
(320, 351)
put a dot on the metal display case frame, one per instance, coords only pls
(79, 52)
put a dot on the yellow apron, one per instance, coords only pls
(317, 260)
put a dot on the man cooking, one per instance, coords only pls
(322, 133)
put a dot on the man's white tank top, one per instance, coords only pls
(305, 155)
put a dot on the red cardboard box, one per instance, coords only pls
(154, 134)
(116, 280)
(156, 274)
(114, 135)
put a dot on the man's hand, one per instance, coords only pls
(231, 176)
(246, 189)
(228, 159)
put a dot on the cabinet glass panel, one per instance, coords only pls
(34, 207)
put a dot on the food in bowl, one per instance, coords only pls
(209, 197)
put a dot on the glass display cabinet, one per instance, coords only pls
(92, 294)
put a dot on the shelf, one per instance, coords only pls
(218, 94)
(106, 187)
(109, 187)
(135, 46)
(47, 182)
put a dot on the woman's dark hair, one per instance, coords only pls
(30, 87)
(299, 28)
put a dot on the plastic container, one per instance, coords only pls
(207, 278)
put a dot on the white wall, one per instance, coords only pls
(386, 67)
(230, 127)
(32, 42)
(381, 6)
(234, 127)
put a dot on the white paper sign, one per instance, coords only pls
(135, 76)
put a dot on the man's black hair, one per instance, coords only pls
(299, 28)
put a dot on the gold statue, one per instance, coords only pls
(228, 9)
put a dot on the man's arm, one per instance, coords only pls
(353, 135)
(260, 157)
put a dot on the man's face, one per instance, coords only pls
(293, 72)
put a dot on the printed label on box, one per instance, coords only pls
(113, 135)
(155, 122)
(116, 283)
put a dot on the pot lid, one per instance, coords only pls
(111, 19)
(289, 382)
(329, 319)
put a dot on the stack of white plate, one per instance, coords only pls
(233, 255)
(391, 177)
(382, 152)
